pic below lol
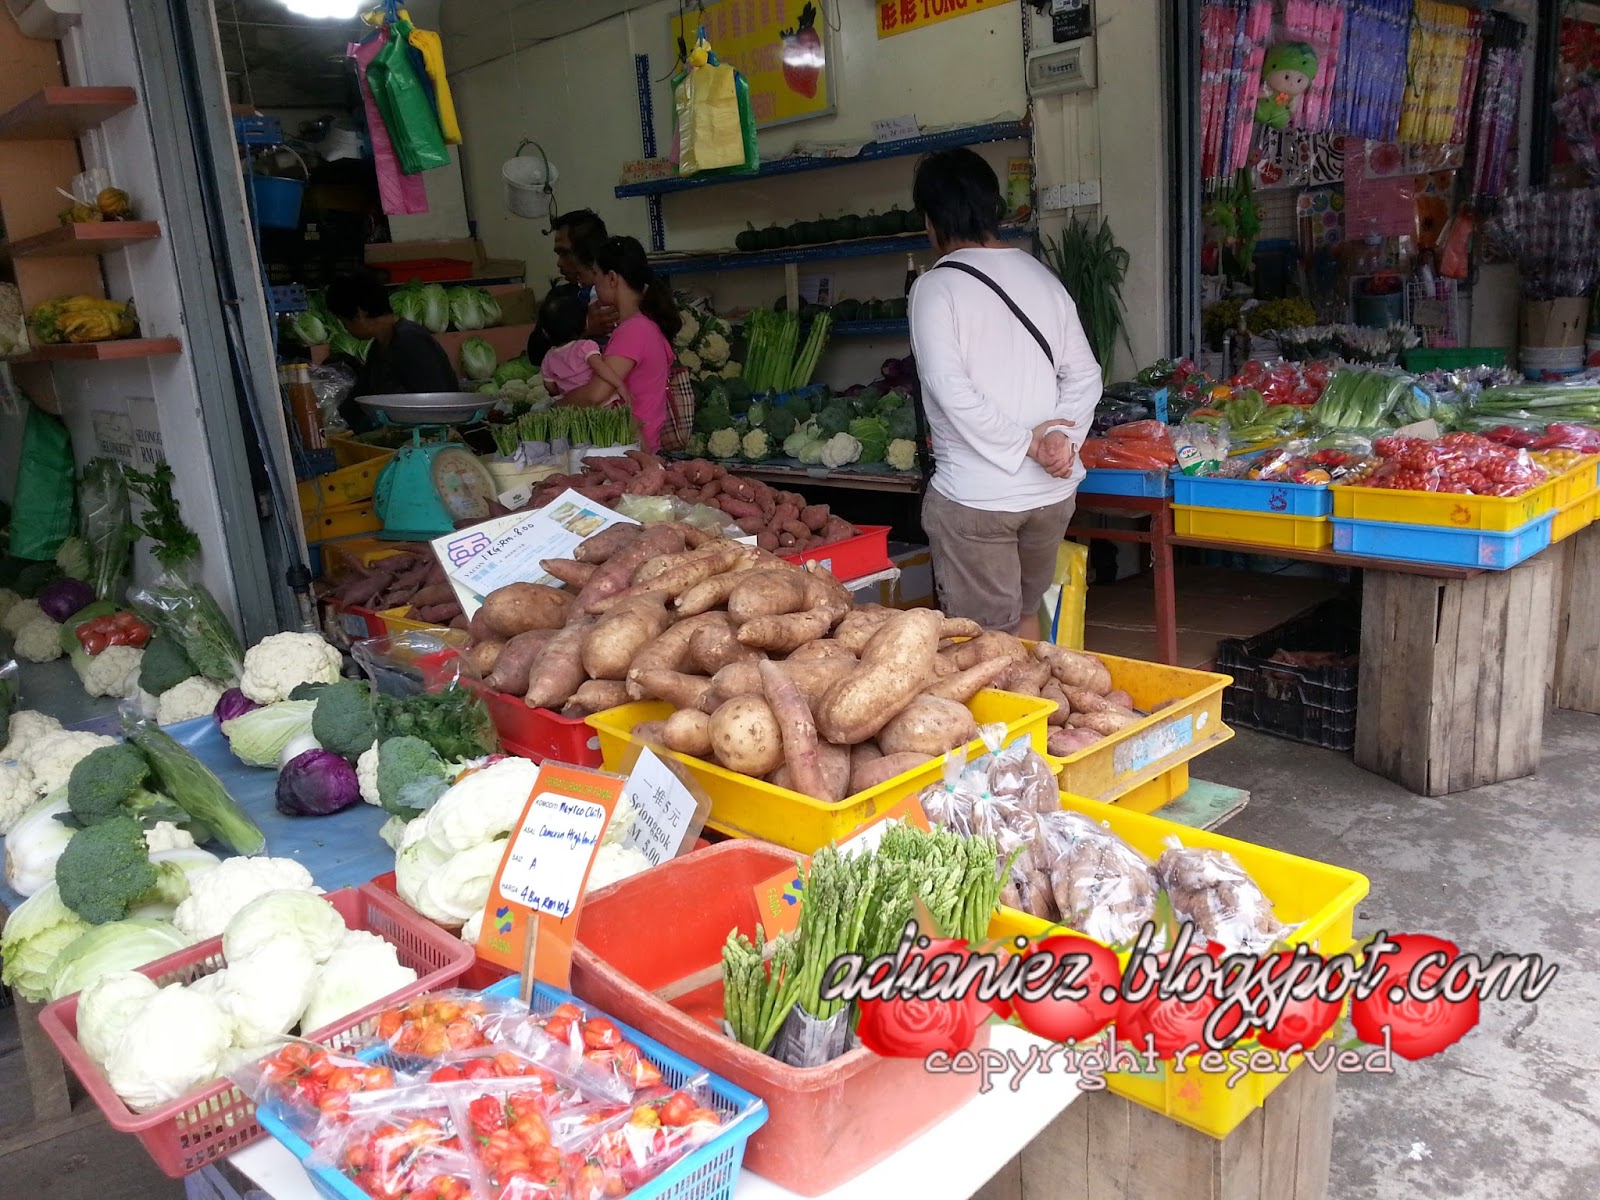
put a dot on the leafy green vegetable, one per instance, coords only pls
(435, 307)
(873, 434)
(164, 665)
(193, 787)
(477, 360)
(514, 368)
(454, 721)
(106, 520)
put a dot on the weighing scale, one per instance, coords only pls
(429, 486)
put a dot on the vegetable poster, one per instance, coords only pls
(779, 46)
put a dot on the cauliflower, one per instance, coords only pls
(147, 704)
(26, 725)
(367, 774)
(174, 1042)
(756, 445)
(266, 991)
(276, 665)
(724, 443)
(714, 350)
(113, 672)
(8, 601)
(690, 330)
(50, 759)
(164, 835)
(39, 641)
(20, 614)
(473, 929)
(482, 807)
(840, 451)
(902, 455)
(216, 895)
(732, 371)
(690, 359)
(17, 795)
(196, 696)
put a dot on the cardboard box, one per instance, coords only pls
(1554, 324)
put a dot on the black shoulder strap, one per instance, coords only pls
(1010, 303)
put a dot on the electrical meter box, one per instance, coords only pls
(1068, 67)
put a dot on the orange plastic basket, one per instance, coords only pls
(219, 1119)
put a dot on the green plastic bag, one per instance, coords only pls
(41, 510)
(406, 105)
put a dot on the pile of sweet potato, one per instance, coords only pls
(412, 577)
(781, 522)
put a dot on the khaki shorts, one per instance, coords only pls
(992, 566)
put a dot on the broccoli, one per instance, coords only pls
(737, 389)
(104, 781)
(33, 576)
(902, 421)
(780, 423)
(106, 870)
(712, 416)
(835, 417)
(800, 407)
(164, 666)
(308, 691)
(343, 721)
(411, 776)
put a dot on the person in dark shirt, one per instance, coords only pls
(405, 357)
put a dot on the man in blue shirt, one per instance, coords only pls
(577, 235)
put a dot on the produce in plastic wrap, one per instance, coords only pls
(1211, 889)
(1102, 886)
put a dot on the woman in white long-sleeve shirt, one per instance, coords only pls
(1010, 386)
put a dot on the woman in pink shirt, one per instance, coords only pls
(640, 351)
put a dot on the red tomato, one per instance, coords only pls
(601, 1034)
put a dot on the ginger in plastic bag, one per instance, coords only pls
(1103, 887)
(1211, 889)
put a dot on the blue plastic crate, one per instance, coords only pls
(710, 1172)
(1445, 547)
(1106, 481)
(1252, 495)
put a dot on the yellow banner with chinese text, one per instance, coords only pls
(902, 16)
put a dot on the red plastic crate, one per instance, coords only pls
(427, 270)
(827, 1124)
(219, 1119)
(535, 733)
(865, 554)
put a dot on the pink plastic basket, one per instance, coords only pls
(219, 1120)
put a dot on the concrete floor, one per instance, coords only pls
(1511, 1111)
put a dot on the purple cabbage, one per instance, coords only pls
(316, 783)
(233, 703)
(64, 597)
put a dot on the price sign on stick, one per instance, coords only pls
(531, 919)
(667, 815)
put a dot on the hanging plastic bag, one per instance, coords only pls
(106, 523)
(427, 43)
(715, 123)
(399, 193)
(403, 102)
(189, 614)
(41, 509)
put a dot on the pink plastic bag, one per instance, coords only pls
(400, 194)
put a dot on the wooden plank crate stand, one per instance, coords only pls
(1575, 653)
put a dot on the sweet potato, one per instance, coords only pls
(714, 592)
(670, 651)
(863, 753)
(1085, 701)
(1025, 677)
(653, 568)
(1105, 723)
(960, 627)
(1120, 699)
(813, 677)
(929, 725)
(821, 648)
(479, 629)
(515, 661)
(1075, 669)
(780, 635)
(616, 573)
(964, 685)
(519, 607)
(768, 592)
(606, 543)
(1052, 691)
(895, 666)
(694, 566)
(984, 647)
(745, 736)
(596, 695)
(481, 657)
(433, 614)
(688, 731)
(884, 768)
(618, 637)
(569, 571)
(1064, 743)
(651, 733)
(559, 669)
(798, 731)
(715, 646)
(676, 688)
(835, 762)
(858, 628)
(814, 516)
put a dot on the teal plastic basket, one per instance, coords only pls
(710, 1172)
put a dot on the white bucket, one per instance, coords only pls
(1550, 362)
(530, 183)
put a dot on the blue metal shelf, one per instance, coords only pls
(734, 260)
(900, 328)
(967, 135)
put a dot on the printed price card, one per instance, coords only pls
(545, 869)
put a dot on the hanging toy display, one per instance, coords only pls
(1286, 75)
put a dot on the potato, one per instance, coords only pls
(884, 768)
(1053, 693)
(1120, 699)
(779, 635)
(688, 731)
(676, 688)
(930, 725)
(1107, 723)
(596, 695)
(822, 648)
(519, 607)
(515, 661)
(670, 651)
(481, 657)
(964, 685)
(606, 543)
(1024, 677)
(715, 646)
(559, 669)
(745, 736)
(895, 666)
(1064, 743)
(1074, 668)
(812, 676)
(984, 647)
(651, 733)
(620, 635)
(768, 592)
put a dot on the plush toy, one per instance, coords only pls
(1286, 75)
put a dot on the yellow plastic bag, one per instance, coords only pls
(427, 43)
(710, 126)
(1061, 612)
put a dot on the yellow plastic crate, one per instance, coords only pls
(1579, 514)
(1163, 789)
(1317, 899)
(1143, 755)
(347, 485)
(349, 451)
(1493, 514)
(398, 622)
(746, 807)
(345, 520)
(1258, 529)
(1575, 483)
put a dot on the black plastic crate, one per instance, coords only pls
(1315, 705)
